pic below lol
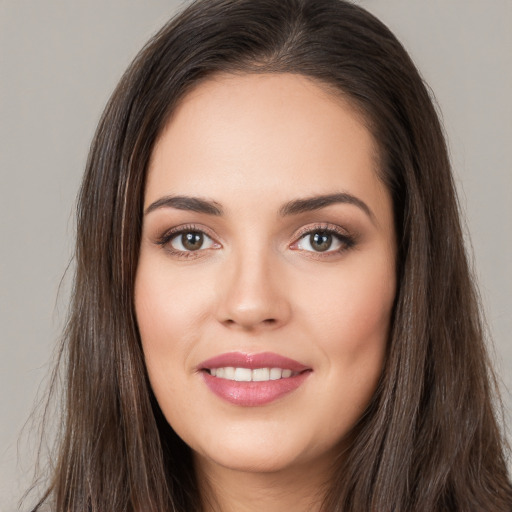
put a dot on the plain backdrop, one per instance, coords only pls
(59, 62)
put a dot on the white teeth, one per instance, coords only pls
(275, 373)
(248, 375)
(242, 375)
(260, 374)
(229, 373)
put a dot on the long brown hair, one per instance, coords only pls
(429, 440)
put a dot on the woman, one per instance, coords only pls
(272, 303)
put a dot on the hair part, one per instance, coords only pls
(429, 439)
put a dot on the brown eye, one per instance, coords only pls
(191, 241)
(320, 241)
(323, 240)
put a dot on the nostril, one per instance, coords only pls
(267, 322)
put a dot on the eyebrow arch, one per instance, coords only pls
(193, 204)
(318, 202)
(295, 207)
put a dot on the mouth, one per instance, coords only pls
(248, 375)
(252, 379)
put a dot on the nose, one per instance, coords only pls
(252, 293)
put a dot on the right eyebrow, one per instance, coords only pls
(193, 204)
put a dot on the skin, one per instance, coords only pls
(251, 144)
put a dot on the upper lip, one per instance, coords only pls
(252, 361)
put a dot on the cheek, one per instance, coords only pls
(165, 318)
(353, 306)
(350, 323)
(168, 305)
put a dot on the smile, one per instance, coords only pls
(248, 375)
(250, 380)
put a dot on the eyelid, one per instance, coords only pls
(347, 239)
(322, 226)
(165, 239)
(185, 228)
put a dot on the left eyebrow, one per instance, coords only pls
(313, 203)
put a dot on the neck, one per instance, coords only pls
(300, 489)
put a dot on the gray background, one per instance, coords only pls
(60, 60)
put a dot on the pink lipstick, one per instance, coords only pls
(252, 379)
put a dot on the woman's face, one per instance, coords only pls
(266, 276)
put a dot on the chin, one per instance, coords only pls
(251, 460)
(261, 451)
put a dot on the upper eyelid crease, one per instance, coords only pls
(336, 231)
(314, 228)
(186, 228)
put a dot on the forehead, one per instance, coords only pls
(246, 137)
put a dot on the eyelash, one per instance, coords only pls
(166, 239)
(347, 241)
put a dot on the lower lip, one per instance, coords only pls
(253, 394)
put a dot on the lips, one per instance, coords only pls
(252, 379)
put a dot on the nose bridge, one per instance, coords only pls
(252, 294)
